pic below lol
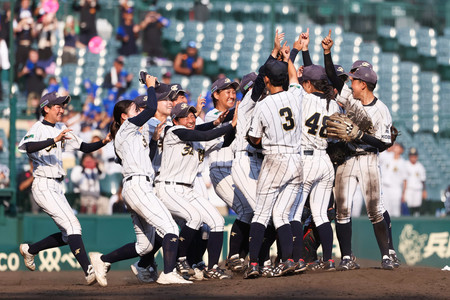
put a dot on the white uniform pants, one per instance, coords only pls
(185, 203)
(147, 212)
(49, 196)
(392, 199)
(245, 172)
(278, 186)
(363, 170)
(226, 189)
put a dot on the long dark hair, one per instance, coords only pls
(120, 108)
(324, 87)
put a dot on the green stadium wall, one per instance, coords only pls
(419, 241)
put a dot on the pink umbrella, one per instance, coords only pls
(96, 45)
(50, 6)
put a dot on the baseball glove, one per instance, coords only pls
(337, 152)
(394, 134)
(341, 127)
(311, 242)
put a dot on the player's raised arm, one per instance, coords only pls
(327, 44)
(150, 109)
(277, 44)
(293, 79)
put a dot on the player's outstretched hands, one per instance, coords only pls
(303, 41)
(107, 139)
(285, 52)
(300, 71)
(221, 118)
(201, 102)
(62, 136)
(327, 43)
(158, 130)
(235, 117)
(277, 43)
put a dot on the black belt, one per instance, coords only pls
(146, 177)
(258, 154)
(178, 183)
(57, 179)
(308, 152)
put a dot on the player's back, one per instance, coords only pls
(280, 116)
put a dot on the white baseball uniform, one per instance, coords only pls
(318, 171)
(277, 121)
(416, 176)
(220, 162)
(147, 211)
(247, 159)
(179, 168)
(363, 167)
(393, 175)
(48, 174)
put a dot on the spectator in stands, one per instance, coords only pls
(24, 181)
(415, 183)
(117, 204)
(188, 62)
(4, 176)
(88, 27)
(2, 146)
(201, 10)
(127, 33)
(4, 40)
(33, 105)
(25, 32)
(33, 73)
(86, 178)
(151, 28)
(167, 78)
(118, 80)
(46, 39)
(69, 55)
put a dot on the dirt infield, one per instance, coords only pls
(370, 282)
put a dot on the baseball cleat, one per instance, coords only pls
(284, 268)
(387, 263)
(144, 275)
(252, 271)
(235, 264)
(267, 271)
(100, 268)
(172, 278)
(348, 263)
(198, 271)
(183, 267)
(28, 258)
(300, 266)
(216, 273)
(395, 260)
(90, 277)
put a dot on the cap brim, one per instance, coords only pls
(63, 100)
(174, 94)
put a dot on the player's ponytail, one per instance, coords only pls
(120, 108)
(324, 87)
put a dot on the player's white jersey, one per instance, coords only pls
(315, 116)
(152, 123)
(132, 145)
(377, 112)
(48, 162)
(278, 121)
(222, 157)
(416, 175)
(245, 113)
(180, 160)
(393, 173)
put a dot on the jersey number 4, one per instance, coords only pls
(289, 122)
(313, 124)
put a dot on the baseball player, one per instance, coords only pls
(44, 144)
(223, 93)
(393, 175)
(276, 125)
(151, 218)
(362, 165)
(182, 154)
(318, 171)
(415, 185)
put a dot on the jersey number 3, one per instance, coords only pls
(313, 122)
(289, 122)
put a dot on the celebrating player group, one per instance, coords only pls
(287, 159)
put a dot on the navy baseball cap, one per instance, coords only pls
(276, 70)
(182, 110)
(247, 82)
(223, 83)
(314, 72)
(140, 101)
(53, 99)
(360, 63)
(365, 74)
(339, 70)
(175, 89)
(163, 92)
